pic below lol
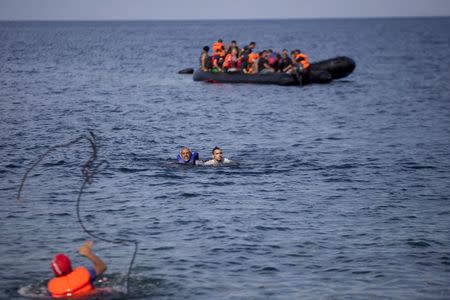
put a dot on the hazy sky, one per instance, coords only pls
(210, 9)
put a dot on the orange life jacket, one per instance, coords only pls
(251, 60)
(221, 53)
(217, 46)
(76, 283)
(252, 57)
(305, 61)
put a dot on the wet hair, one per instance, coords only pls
(252, 43)
(214, 149)
(220, 40)
(206, 48)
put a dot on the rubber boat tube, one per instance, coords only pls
(186, 71)
(238, 77)
(338, 67)
(319, 72)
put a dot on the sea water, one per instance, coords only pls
(340, 191)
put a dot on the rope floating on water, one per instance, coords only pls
(88, 170)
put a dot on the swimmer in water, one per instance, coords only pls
(187, 157)
(217, 158)
(77, 282)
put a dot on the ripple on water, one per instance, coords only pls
(417, 244)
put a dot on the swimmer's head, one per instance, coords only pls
(217, 154)
(61, 265)
(185, 154)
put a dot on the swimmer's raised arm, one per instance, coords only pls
(86, 250)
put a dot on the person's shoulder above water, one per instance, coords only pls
(213, 162)
(217, 158)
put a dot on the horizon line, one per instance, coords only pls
(231, 19)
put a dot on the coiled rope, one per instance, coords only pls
(88, 170)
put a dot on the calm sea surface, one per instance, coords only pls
(341, 191)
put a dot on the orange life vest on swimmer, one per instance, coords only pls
(304, 61)
(76, 283)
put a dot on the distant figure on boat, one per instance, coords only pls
(217, 158)
(232, 63)
(301, 66)
(252, 63)
(205, 60)
(263, 63)
(78, 282)
(232, 46)
(187, 157)
(217, 60)
(285, 62)
(217, 46)
(244, 55)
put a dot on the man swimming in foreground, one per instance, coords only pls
(217, 158)
(186, 157)
(78, 282)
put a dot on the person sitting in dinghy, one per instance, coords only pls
(263, 63)
(285, 63)
(232, 63)
(205, 60)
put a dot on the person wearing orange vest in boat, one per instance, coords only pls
(302, 65)
(243, 55)
(303, 59)
(77, 282)
(217, 61)
(252, 63)
(217, 46)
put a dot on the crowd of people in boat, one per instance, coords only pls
(188, 157)
(247, 60)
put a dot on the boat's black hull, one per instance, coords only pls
(338, 67)
(320, 72)
(271, 78)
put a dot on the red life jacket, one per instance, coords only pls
(229, 63)
(76, 283)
